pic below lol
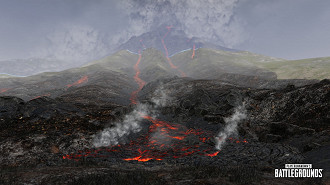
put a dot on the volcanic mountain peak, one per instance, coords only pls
(175, 39)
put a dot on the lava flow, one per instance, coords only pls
(193, 54)
(138, 80)
(4, 90)
(84, 79)
(166, 52)
(141, 158)
(40, 96)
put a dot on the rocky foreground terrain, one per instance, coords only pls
(136, 119)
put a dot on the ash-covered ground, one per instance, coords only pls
(145, 119)
(51, 141)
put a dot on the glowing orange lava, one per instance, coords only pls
(40, 96)
(166, 52)
(178, 137)
(193, 54)
(213, 154)
(4, 90)
(84, 79)
(138, 80)
(141, 158)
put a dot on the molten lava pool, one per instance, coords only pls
(163, 140)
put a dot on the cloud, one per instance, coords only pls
(75, 43)
(211, 20)
(33, 28)
(81, 31)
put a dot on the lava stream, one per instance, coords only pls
(84, 79)
(213, 154)
(166, 52)
(40, 96)
(138, 80)
(142, 158)
(193, 54)
(4, 90)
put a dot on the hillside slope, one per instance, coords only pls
(210, 63)
(114, 75)
(247, 63)
(313, 68)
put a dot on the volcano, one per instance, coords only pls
(170, 113)
(176, 40)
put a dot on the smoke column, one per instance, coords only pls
(131, 122)
(231, 127)
(113, 135)
(210, 20)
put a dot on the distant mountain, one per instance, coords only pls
(31, 66)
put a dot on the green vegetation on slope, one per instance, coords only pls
(5, 76)
(313, 68)
(208, 61)
(118, 62)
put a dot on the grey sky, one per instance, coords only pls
(28, 26)
(281, 28)
(287, 28)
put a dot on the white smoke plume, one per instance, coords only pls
(131, 122)
(160, 97)
(231, 127)
(75, 43)
(211, 20)
(160, 138)
(112, 135)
